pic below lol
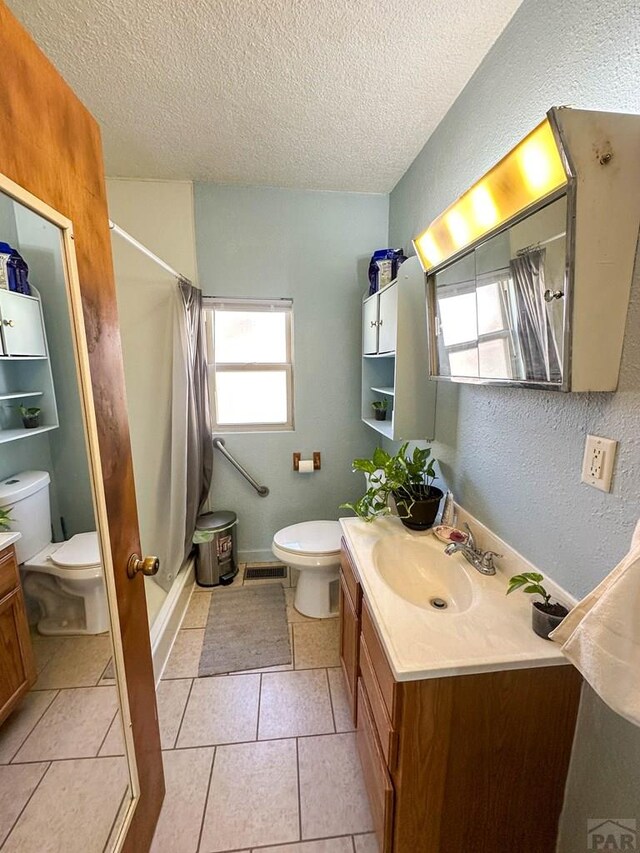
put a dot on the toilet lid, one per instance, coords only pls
(81, 551)
(310, 537)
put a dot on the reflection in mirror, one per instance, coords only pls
(500, 310)
(60, 723)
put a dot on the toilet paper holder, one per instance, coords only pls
(297, 457)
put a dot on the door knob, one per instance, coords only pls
(8, 322)
(147, 565)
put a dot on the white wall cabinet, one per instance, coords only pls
(22, 328)
(395, 365)
(25, 370)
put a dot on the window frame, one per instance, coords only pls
(210, 305)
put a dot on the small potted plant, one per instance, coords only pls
(30, 416)
(545, 615)
(409, 478)
(380, 409)
(5, 519)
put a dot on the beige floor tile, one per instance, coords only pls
(295, 703)
(73, 809)
(221, 710)
(366, 843)
(292, 613)
(327, 845)
(316, 644)
(20, 723)
(171, 697)
(73, 726)
(185, 655)
(341, 709)
(17, 783)
(77, 662)
(44, 648)
(186, 773)
(253, 799)
(113, 744)
(332, 794)
(197, 611)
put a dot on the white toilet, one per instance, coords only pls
(64, 579)
(313, 548)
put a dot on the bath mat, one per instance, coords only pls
(246, 629)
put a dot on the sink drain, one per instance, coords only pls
(439, 603)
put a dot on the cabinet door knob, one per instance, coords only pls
(379, 322)
(373, 324)
(8, 323)
(147, 565)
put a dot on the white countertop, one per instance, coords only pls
(9, 538)
(483, 630)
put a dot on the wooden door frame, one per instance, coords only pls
(50, 148)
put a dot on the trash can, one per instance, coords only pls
(216, 559)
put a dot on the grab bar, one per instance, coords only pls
(218, 442)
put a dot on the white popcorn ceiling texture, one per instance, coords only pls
(315, 94)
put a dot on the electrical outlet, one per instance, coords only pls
(597, 464)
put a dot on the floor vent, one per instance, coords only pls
(261, 573)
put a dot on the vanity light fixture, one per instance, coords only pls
(530, 172)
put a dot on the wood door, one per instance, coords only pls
(17, 667)
(50, 146)
(349, 633)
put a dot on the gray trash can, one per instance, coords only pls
(216, 559)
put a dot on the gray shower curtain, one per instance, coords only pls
(199, 443)
(535, 330)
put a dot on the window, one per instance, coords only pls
(250, 359)
(475, 326)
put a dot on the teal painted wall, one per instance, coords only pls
(513, 457)
(312, 247)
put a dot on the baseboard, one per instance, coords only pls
(167, 623)
(256, 556)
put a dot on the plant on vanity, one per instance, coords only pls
(409, 478)
(545, 615)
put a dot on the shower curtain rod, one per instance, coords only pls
(142, 248)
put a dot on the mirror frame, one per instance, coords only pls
(85, 390)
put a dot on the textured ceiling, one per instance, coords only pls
(320, 94)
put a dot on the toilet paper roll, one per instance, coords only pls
(306, 466)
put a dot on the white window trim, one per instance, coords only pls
(281, 305)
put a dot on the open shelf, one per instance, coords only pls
(389, 391)
(383, 427)
(19, 395)
(15, 434)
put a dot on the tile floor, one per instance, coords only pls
(262, 760)
(57, 791)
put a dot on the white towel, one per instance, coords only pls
(601, 636)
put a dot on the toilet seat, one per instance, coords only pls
(310, 538)
(77, 559)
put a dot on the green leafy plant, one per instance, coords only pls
(410, 477)
(5, 519)
(532, 583)
(29, 412)
(380, 405)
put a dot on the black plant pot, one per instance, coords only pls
(31, 421)
(546, 617)
(380, 414)
(419, 508)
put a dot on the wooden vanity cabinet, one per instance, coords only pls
(350, 606)
(17, 666)
(463, 763)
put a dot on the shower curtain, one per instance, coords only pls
(191, 444)
(535, 328)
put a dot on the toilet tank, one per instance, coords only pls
(27, 496)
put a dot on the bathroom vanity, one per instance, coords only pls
(464, 721)
(17, 665)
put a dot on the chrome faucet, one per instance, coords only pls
(480, 560)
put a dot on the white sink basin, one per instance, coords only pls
(418, 570)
